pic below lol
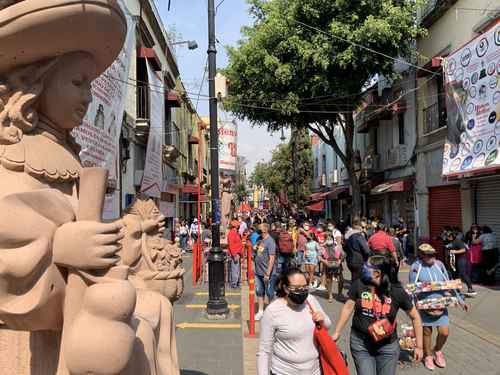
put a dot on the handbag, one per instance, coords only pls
(331, 359)
(380, 328)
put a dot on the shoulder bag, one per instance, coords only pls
(331, 359)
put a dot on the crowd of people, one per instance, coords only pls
(295, 258)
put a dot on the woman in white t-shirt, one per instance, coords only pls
(287, 329)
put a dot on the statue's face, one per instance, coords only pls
(67, 94)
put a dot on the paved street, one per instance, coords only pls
(207, 347)
(473, 346)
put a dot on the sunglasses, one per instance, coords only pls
(299, 289)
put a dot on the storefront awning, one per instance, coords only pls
(192, 140)
(150, 55)
(392, 187)
(318, 196)
(318, 206)
(433, 65)
(333, 194)
(172, 99)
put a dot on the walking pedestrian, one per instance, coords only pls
(489, 254)
(183, 235)
(311, 259)
(356, 249)
(458, 255)
(193, 231)
(332, 260)
(234, 247)
(287, 331)
(472, 239)
(265, 269)
(375, 300)
(380, 243)
(428, 269)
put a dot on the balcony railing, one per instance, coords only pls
(432, 119)
(142, 103)
(432, 10)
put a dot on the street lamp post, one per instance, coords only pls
(217, 304)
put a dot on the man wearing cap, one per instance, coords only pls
(234, 247)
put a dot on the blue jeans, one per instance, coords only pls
(374, 360)
(261, 288)
(234, 272)
(183, 241)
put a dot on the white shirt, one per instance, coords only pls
(287, 336)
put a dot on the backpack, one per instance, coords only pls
(285, 242)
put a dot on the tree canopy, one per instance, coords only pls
(305, 63)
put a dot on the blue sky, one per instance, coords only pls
(190, 19)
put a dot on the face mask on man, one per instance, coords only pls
(298, 297)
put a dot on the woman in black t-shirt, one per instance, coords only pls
(375, 299)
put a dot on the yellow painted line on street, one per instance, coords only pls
(209, 325)
(229, 294)
(204, 305)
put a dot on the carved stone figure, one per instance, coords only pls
(226, 200)
(155, 263)
(59, 265)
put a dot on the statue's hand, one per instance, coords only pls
(87, 244)
(157, 224)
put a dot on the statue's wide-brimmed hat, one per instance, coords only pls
(34, 30)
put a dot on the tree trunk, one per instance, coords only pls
(350, 156)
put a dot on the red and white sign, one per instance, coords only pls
(228, 140)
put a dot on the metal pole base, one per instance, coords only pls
(217, 304)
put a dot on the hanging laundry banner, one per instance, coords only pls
(99, 134)
(152, 179)
(472, 82)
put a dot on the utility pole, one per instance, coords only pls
(217, 304)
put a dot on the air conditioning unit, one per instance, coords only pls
(335, 176)
(323, 179)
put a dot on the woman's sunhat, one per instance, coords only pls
(34, 30)
(425, 248)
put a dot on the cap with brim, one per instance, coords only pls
(35, 30)
(425, 248)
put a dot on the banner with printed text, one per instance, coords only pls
(228, 141)
(472, 80)
(152, 179)
(99, 134)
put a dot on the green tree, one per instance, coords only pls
(289, 170)
(303, 64)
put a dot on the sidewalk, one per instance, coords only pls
(473, 346)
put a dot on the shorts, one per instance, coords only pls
(260, 286)
(333, 271)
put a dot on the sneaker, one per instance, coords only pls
(471, 293)
(439, 359)
(429, 363)
(259, 315)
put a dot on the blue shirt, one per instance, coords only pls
(254, 237)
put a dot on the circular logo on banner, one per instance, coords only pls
(496, 36)
(467, 162)
(496, 97)
(465, 57)
(478, 146)
(474, 78)
(493, 82)
(492, 156)
(452, 65)
(491, 144)
(479, 161)
(482, 47)
(470, 108)
(455, 164)
(466, 83)
(492, 117)
(491, 68)
(473, 92)
(470, 124)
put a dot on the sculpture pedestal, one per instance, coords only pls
(29, 353)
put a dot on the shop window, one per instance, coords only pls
(435, 115)
(401, 128)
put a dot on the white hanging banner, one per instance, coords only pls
(473, 106)
(152, 179)
(228, 141)
(99, 134)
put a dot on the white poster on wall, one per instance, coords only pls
(228, 141)
(99, 134)
(152, 180)
(472, 81)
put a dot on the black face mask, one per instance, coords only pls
(298, 297)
